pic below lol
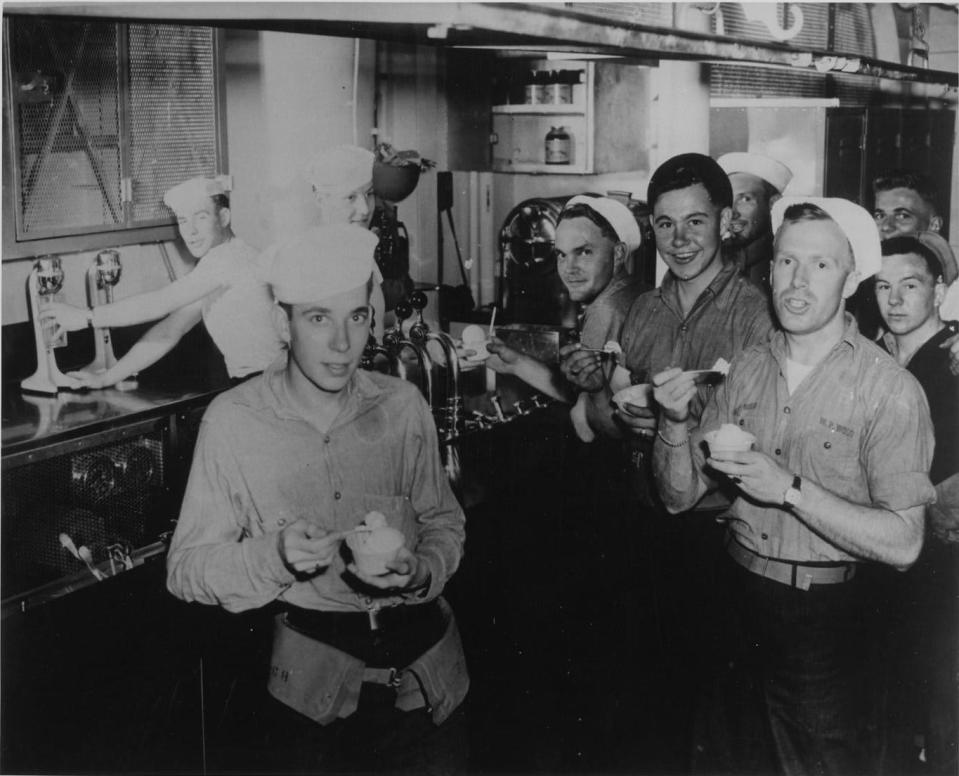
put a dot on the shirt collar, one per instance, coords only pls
(272, 393)
(619, 279)
(850, 337)
(668, 288)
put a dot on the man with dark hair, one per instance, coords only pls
(925, 624)
(757, 182)
(905, 202)
(703, 311)
(367, 665)
(827, 442)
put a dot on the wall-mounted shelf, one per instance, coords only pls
(603, 120)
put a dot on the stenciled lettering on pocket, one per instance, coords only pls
(833, 426)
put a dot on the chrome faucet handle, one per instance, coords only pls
(49, 271)
(108, 267)
(418, 301)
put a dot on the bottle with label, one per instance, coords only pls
(561, 87)
(536, 87)
(558, 146)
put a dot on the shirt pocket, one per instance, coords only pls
(833, 454)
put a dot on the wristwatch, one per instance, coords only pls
(793, 495)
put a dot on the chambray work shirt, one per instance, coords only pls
(857, 425)
(259, 465)
(603, 317)
(729, 316)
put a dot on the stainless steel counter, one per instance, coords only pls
(31, 422)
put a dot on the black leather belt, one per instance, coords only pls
(792, 573)
(328, 625)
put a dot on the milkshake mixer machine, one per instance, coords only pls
(102, 275)
(43, 287)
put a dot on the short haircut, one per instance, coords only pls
(908, 179)
(807, 211)
(686, 170)
(582, 210)
(907, 244)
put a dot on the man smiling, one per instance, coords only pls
(843, 441)
(704, 310)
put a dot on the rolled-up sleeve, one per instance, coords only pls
(898, 448)
(213, 559)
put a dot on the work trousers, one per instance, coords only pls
(791, 696)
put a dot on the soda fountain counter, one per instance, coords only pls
(104, 670)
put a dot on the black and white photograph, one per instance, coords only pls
(495, 388)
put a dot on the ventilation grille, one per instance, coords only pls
(763, 82)
(101, 498)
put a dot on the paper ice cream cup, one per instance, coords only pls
(729, 438)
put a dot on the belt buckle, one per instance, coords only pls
(372, 611)
(395, 678)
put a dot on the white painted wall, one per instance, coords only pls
(287, 97)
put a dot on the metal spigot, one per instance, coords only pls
(421, 334)
(395, 343)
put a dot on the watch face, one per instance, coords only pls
(792, 497)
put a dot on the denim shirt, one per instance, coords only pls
(729, 316)
(259, 465)
(858, 425)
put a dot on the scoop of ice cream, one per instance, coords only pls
(721, 366)
(373, 550)
(474, 338)
(612, 347)
(375, 520)
(729, 437)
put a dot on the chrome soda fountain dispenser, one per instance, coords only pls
(102, 275)
(43, 285)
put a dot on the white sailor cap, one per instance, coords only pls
(321, 262)
(183, 198)
(617, 214)
(342, 168)
(855, 221)
(776, 174)
(947, 259)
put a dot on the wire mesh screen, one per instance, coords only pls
(172, 112)
(66, 108)
(104, 498)
(108, 117)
